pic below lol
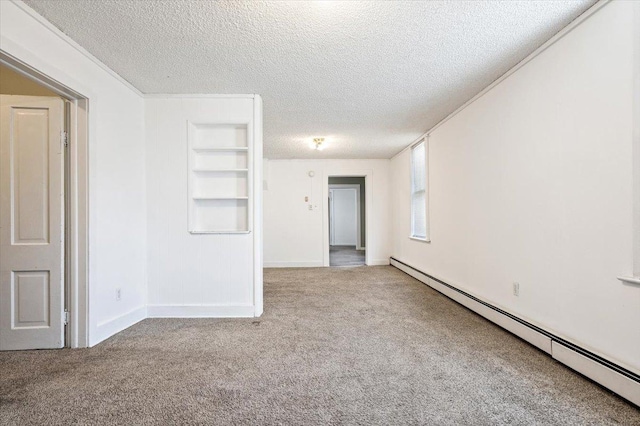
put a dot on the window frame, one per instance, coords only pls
(413, 192)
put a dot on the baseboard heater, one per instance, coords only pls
(604, 372)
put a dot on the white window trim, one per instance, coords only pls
(422, 240)
(427, 238)
(633, 276)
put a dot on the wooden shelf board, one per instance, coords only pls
(219, 198)
(229, 149)
(221, 232)
(220, 170)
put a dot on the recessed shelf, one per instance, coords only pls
(229, 149)
(219, 184)
(221, 170)
(219, 198)
(220, 232)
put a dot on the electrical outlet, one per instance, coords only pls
(516, 289)
(118, 294)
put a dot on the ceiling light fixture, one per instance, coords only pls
(318, 144)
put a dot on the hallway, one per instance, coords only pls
(346, 256)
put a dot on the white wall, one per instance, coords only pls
(296, 236)
(532, 183)
(117, 205)
(192, 275)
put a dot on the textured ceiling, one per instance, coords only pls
(370, 76)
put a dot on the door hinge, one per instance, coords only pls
(65, 317)
(64, 136)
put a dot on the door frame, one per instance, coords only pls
(358, 211)
(368, 199)
(76, 251)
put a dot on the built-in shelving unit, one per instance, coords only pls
(219, 178)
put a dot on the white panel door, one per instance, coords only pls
(31, 223)
(343, 217)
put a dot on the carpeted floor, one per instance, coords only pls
(366, 346)
(345, 256)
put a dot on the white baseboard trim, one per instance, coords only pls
(378, 262)
(258, 311)
(201, 311)
(610, 379)
(538, 340)
(374, 262)
(596, 371)
(293, 264)
(113, 326)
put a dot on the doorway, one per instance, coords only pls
(32, 206)
(347, 213)
(43, 211)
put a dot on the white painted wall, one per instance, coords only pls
(295, 236)
(343, 217)
(192, 275)
(532, 183)
(117, 204)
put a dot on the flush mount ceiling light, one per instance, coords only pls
(318, 144)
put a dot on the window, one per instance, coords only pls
(419, 195)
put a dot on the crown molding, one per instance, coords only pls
(48, 25)
(558, 36)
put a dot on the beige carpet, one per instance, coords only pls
(365, 345)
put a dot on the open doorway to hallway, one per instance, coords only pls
(347, 206)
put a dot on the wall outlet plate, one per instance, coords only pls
(516, 289)
(118, 294)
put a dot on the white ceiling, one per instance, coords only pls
(370, 76)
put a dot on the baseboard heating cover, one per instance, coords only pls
(604, 372)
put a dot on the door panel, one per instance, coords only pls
(29, 175)
(331, 224)
(31, 223)
(344, 217)
(30, 290)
